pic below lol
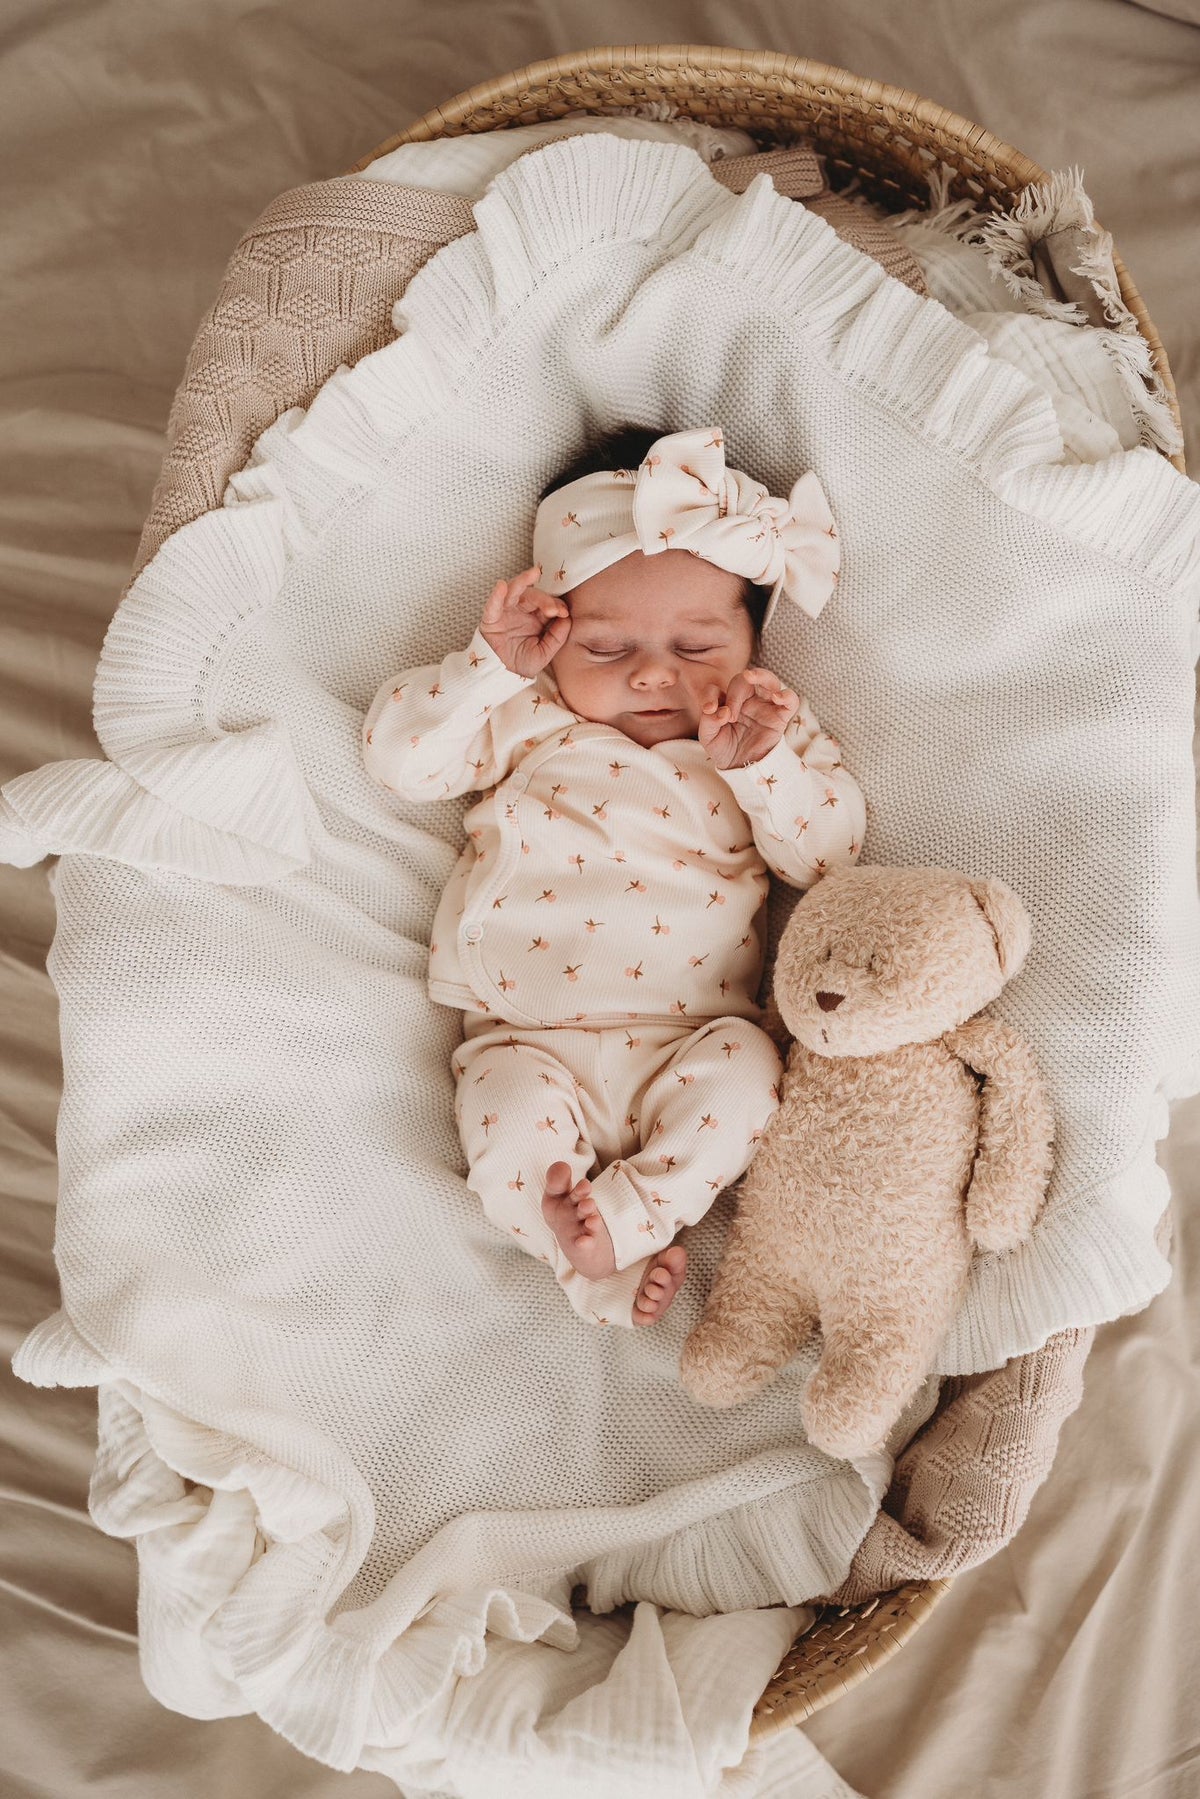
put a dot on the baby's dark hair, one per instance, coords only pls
(626, 447)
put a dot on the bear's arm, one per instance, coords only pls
(1016, 1127)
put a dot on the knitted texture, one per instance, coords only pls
(363, 1446)
(962, 1489)
(311, 285)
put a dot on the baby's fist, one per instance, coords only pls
(745, 724)
(525, 626)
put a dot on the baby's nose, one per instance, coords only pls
(654, 672)
(829, 1002)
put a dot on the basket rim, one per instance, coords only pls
(449, 118)
(693, 64)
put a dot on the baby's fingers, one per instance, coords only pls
(543, 605)
(494, 604)
(764, 687)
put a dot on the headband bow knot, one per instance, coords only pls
(682, 497)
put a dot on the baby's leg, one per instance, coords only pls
(519, 1115)
(528, 1122)
(699, 1114)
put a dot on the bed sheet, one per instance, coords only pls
(139, 142)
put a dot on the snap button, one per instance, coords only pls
(473, 933)
(518, 782)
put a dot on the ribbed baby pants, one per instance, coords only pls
(660, 1119)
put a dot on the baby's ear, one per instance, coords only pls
(1005, 912)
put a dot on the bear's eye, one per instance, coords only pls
(874, 965)
(828, 953)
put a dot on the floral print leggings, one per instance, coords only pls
(660, 1119)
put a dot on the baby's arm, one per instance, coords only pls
(806, 810)
(445, 729)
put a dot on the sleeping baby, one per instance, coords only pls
(603, 932)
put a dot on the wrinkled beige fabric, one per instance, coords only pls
(138, 141)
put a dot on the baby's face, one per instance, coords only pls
(652, 638)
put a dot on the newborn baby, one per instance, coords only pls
(603, 931)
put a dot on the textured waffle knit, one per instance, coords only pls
(963, 1487)
(363, 1447)
(312, 285)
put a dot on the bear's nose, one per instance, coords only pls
(829, 1002)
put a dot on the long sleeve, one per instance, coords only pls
(805, 808)
(447, 729)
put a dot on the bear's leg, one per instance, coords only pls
(871, 1365)
(758, 1314)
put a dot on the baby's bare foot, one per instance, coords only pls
(660, 1283)
(572, 1215)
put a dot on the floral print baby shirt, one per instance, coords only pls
(602, 881)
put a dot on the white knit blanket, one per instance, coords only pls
(364, 1447)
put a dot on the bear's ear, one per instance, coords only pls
(1009, 920)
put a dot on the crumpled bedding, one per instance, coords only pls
(961, 1488)
(252, 804)
(1068, 1610)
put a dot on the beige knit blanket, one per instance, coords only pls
(310, 286)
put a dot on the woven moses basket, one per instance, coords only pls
(890, 140)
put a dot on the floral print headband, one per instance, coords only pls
(682, 497)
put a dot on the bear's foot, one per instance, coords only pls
(717, 1368)
(855, 1396)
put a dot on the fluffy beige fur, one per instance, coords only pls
(913, 1129)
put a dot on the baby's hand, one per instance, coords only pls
(742, 725)
(525, 626)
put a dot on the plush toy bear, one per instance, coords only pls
(913, 1128)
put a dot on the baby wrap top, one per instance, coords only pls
(601, 880)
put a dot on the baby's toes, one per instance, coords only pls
(660, 1284)
(558, 1180)
(581, 1199)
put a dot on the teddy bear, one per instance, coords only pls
(913, 1128)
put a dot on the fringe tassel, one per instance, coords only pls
(1007, 240)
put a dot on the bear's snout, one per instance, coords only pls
(829, 1002)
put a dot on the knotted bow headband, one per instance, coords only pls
(682, 497)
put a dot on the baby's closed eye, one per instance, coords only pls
(607, 651)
